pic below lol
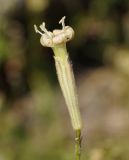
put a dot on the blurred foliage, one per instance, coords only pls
(34, 123)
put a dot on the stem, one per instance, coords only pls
(78, 145)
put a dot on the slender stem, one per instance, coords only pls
(78, 145)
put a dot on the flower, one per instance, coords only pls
(57, 41)
(57, 37)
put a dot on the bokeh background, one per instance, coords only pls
(34, 122)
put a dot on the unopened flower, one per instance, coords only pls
(57, 41)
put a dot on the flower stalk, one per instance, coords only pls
(78, 145)
(57, 41)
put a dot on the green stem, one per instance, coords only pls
(78, 145)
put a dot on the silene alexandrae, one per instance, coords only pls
(57, 40)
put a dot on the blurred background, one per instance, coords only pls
(34, 122)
